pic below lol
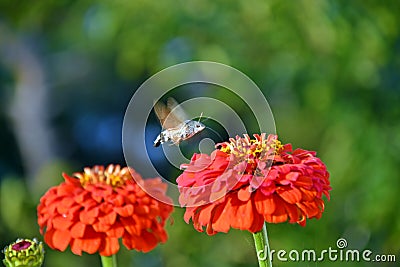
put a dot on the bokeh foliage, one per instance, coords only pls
(330, 70)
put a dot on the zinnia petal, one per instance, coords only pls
(109, 246)
(78, 230)
(60, 239)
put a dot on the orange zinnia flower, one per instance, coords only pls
(91, 211)
(249, 181)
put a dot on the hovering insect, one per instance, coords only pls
(174, 123)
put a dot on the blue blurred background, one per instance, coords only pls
(329, 69)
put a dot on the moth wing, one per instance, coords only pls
(176, 110)
(161, 111)
(167, 118)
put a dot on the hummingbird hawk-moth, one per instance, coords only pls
(176, 127)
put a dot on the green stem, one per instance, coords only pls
(262, 247)
(109, 261)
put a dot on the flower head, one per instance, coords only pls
(24, 252)
(91, 211)
(249, 181)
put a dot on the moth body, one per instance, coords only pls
(183, 131)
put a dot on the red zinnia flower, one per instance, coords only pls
(91, 211)
(249, 181)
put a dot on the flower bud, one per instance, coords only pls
(24, 253)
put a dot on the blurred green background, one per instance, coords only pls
(329, 69)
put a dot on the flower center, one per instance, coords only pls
(21, 245)
(261, 147)
(112, 175)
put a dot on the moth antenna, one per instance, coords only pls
(201, 115)
(206, 119)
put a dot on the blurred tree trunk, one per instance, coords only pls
(27, 108)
